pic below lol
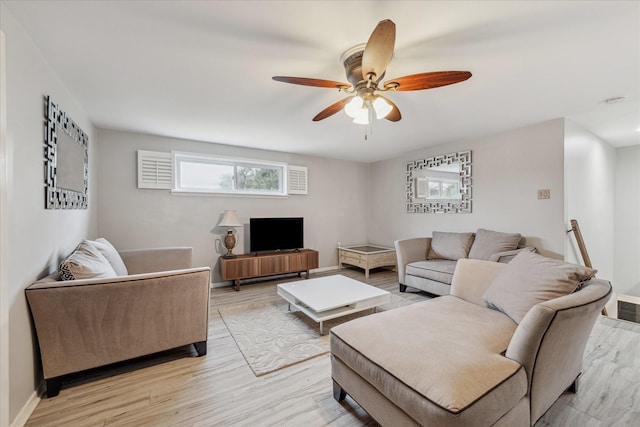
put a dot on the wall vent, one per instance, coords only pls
(297, 180)
(154, 170)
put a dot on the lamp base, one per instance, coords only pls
(229, 243)
(229, 256)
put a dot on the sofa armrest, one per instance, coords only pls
(410, 250)
(506, 256)
(550, 342)
(157, 259)
(472, 277)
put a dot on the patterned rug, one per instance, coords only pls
(271, 337)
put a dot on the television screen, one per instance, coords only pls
(275, 234)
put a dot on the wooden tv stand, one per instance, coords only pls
(250, 266)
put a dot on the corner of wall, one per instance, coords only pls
(589, 176)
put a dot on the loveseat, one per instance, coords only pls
(116, 306)
(427, 263)
(498, 351)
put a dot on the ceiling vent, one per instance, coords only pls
(614, 100)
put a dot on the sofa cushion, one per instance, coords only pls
(488, 242)
(452, 246)
(530, 279)
(440, 270)
(111, 254)
(85, 262)
(448, 366)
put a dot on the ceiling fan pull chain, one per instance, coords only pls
(368, 130)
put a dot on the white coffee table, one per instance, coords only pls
(328, 297)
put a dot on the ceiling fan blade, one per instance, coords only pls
(332, 109)
(312, 82)
(394, 115)
(379, 50)
(427, 80)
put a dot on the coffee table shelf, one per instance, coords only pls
(328, 297)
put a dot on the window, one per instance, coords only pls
(209, 174)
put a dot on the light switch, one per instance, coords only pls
(544, 194)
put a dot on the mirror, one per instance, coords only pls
(66, 160)
(440, 184)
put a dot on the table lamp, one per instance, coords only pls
(229, 220)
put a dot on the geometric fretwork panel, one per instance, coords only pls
(461, 205)
(57, 121)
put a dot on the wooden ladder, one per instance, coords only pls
(583, 249)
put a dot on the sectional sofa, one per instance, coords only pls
(498, 351)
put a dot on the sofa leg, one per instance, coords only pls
(338, 393)
(573, 388)
(403, 287)
(201, 347)
(53, 386)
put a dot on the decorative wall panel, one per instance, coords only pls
(66, 160)
(418, 202)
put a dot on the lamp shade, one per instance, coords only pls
(382, 107)
(362, 119)
(230, 219)
(354, 107)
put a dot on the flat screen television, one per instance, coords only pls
(275, 234)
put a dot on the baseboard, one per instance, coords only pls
(323, 269)
(26, 411)
(221, 284)
(229, 283)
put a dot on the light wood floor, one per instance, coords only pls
(219, 389)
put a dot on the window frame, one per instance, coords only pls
(177, 157)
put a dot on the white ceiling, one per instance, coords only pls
(202, 69)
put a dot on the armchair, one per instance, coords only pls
(162, 303)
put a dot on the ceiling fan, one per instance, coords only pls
(365, 66)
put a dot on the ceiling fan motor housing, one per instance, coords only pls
(352, 62)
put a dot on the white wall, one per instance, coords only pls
(38, 238)
(335, 210)
(507, 169)
(589, 169)
(627, 221)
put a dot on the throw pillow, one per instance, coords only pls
(489, 242)
(452, 246)
(86, 262)
(111, 254)
(531, 278)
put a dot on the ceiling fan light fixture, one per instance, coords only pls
(354, 107)
(362, 115)
(382, 107)
(362, 119)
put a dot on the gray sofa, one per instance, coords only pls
(118, 306)
(427, 263)
(498, 351)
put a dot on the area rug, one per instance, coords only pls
(271, 337)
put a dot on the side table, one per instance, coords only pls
(366, 257)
